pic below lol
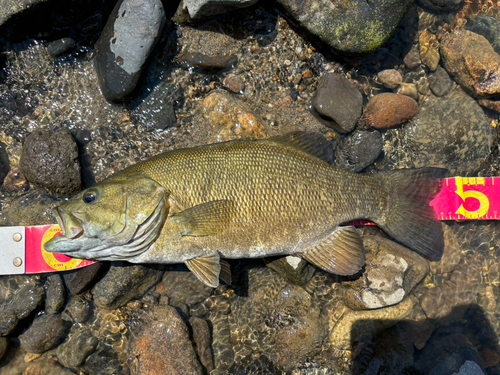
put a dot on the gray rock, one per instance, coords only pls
(130, 35)
(104, 361)
(390, 78)
(19, 297)
(55, 294)
(412, 58)
(441, 5)
(10, 8)
(487, 26)
(80, 280)
(50, 160)
(4, 345)
(183, 287)
(58, 47)
(293, 269)
(123, 282)
(79, 345)
(202, 339)
(440, 82)
(44, 334)
(338, 101)
(355, 26)
(79, 309)
(358, 150)
(202, 9)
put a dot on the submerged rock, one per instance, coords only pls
(182, 287)
(358, 150)
(390, 78)
(104, 361)
(55, 294)
(202, 340)
(44, 334)
(79, 281)
(441, 5)
(429, 50)
(4, 345)
(130, 35)
(487, 26)
(79, 345)
(387, 110)
(293, 269)
(58, 47)
(202, 9)
(440, 82)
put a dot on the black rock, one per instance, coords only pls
(440, 82)
(79, 309)
(75, 350)
(104, 361)
(58, 47)
(50, 160)
(440, 5)
(338, 101)
(130, 35)
(55, 294)
(358, 150)
(125, 281)
(4, 162)
(80, 280)
(44, 334)
(487, 26)
(4, 345)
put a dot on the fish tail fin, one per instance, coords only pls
(408, 217)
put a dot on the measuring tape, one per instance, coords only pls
(460, 198)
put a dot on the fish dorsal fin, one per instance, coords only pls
(341, 253)
(225, 272)
(205, 219)
(313, 143)
(206, 268)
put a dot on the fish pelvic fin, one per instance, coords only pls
(408, 217)
(205, 219)
(206, 269)
(341, 253)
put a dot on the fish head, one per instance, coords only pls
(115, 219)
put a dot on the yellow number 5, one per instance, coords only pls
(484, 203)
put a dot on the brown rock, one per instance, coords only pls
(412, 58)
(429, 50)
(234, 83)
(4, 344)
(15, 180)
(390, 78)
(472, 62)
(387, 110)
(494, 105)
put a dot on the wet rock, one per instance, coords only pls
(293, 269)
(44, 334)
(79, 345)
(408, 89)
(19, 297)
(4, 345)
(55, 294)
(391, 272)
(202, 9)
(78, 309)
(390, 78)
(50, 160)
(15, 181)
(207, 43)
(429, 50)
(451, 255)
(200, 60)
(412, 58)
(440, 82)
(11, 8)
(130, 35)
(472, 62)
(123, 282)
(358, 150)
(80, 280)
(202, 340)
(58, 47)
(441, 5)
(338, 101)
(231, 117)
(349, 27)
(183, 288)
(104, 361)
(4, 162)
(46, 366)
(178, 357)
(423, 86)
(387, 110)
(494, 105)
(234, 83)
(487, 26)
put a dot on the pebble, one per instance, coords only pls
(44, 333)
(183, 287)
(338, 101)
(50, 160)
(80, 280)
(128, 39)
(293, 269)
(59, 47)
(207, 62)
(412, 58)
(15, 181)
(429, 50)
(472, 62)
(234, 83)
(55, 295)
(440, 82)
(390, 78)
(79, 345)
(358, 150)
(387, 110)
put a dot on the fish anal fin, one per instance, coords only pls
(313, 143)
(225, 272)
(206, 269)
(341, 253)
(205, 219)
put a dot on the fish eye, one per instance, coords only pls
(88, 197)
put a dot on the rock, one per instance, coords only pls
(451, 255)
(201, 9)
(293, 269)
(202, 340)
(44, 334)
(494, 105)
(183, 288)
(423, 86)
(390, 78)
(408, 89)
(55, 294)
(338, 101)
(50, 160)
(487, 26)
(4, 162)
(387, 110)
(208, 62)
(441, 5)
(429, 50)
(449, 132)
(104, 361)
(19, 297)
(78, 309)
(353, 27)
(412, 58)
(391, 273)
(231, 117)
(358, 150)
(15, 181)
(472, 62)
(12, 8)
(58, 47)
(126, 42)
(4, 345)
(123, 282)
(440, 82)
(79, 345)
(46, 365)
(178, 357)
(234, 83)
(80, 280)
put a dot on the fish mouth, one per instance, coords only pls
(72, 224)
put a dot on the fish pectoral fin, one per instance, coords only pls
(341, 253)
(225, 272)
(207, 269)
(205, 219)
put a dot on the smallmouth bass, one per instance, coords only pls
(247, 199)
